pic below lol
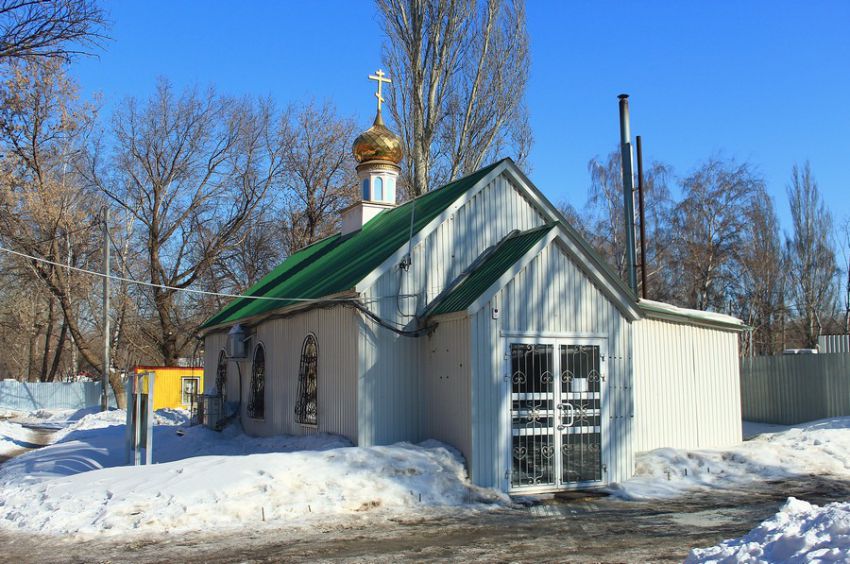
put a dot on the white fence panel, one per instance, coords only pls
(791, 389)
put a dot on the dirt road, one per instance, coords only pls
(585, 530)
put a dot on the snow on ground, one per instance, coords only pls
(820, 447)
(800, 532)
(205, 480)
(13, 438)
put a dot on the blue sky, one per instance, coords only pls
(764, 82)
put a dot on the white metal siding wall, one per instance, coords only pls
(336, 334)
(388, 385)
(390, 374)
(446, 385)
(550, 295)
(441, 257)
(213, 345)
(687, 388)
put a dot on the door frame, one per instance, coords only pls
(556, 340)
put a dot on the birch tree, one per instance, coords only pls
(459, 71)
(601, 220)
(760, 279)
(708, 230)
(811, 255)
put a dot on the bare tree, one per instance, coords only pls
(708, 228)
(460, 70)
(600, 221)
(49, 29)
(759, 283)
(191, 169)
(318, 172)
(811, 256)
(44, 213)
(845, 280)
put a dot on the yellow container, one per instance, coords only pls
(173, 386)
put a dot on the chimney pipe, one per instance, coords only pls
(642, 214)
(628, 190)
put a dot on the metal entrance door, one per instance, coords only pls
(556, 414)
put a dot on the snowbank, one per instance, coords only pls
(205, 480)
(800, 532)
(820, 447)
(13, 438)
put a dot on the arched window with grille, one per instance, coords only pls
(257, 399)
(307, 410)
(221, 376)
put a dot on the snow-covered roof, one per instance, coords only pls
(661, 310)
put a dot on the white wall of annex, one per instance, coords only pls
(687, 386)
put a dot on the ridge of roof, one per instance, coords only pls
(338, 263)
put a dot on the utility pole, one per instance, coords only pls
(104, 377)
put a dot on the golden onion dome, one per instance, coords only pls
(377, 144)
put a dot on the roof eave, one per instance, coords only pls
(290, 309)
(652, 312)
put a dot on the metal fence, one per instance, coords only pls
(791, 389)
(834, 343)
(29, 396)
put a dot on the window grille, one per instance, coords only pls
(307, 408)
(257, 401)
(189, 386)
(221, 376)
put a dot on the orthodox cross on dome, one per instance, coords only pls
(379, 77)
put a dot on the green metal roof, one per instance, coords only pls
(338, 263)
(494, 265)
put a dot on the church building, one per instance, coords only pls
(477, 316)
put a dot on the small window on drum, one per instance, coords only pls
(257, 399)
(379, 189)
(308, 383)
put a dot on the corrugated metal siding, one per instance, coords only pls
(29, 396)
(213, 344)
(388, 387)
(791, 389)
(336, 334)
(550, 296)
(687, 392)
(390, 375)
(834, 343)
(446, 385)
(480, 223)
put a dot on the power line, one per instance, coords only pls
(166, 287)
